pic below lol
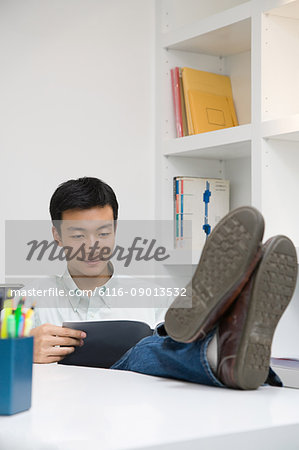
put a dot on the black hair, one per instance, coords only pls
(83, 193)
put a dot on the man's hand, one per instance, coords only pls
(47, 336)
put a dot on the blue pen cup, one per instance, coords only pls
(16, 358)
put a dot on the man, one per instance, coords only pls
(84, 214)
(239, 291)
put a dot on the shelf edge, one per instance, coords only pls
(280, 127)
(218, 138)
(207, 25)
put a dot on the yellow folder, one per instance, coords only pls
(209, 83)
(209, 111)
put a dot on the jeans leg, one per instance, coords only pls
(162, 356)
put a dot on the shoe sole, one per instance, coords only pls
(226, 263)
(273, 287)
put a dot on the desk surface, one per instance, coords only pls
(87, 408)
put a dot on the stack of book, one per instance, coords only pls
(288, 371)
(199, 204)
(203, 101)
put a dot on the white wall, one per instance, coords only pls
(77, 93)
(77, 98)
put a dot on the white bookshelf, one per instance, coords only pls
(256, 43)
(218, 41)
(247, 41)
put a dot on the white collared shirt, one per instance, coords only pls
(60, 300)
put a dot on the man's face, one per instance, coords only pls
(92, 230)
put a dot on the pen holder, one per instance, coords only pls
(16, 357)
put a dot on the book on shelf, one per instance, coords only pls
(183, 105)
(203, 101)
(288, 371)
(179, 102)
(176, 94)
(199, 204)
(209, 112)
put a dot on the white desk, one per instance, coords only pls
(77, 407)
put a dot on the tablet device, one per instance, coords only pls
(106, 341)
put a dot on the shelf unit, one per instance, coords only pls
(256, 43)
(247, 41)
(209, 43)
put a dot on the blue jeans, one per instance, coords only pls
(161, 356)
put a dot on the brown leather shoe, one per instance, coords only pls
(245, 333)
(228, 259)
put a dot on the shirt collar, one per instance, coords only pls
(70, 284)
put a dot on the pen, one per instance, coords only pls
(9, 294)
(30, 311)
(7, 312)
(21, 330)
(21, 325)
(11, 326)
(18, 314)
(28, 326)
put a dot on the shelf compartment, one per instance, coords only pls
(222, 34)
(227, 143)
(280, 64)
(289, 10)
(280, 183)
(286, 128)
(180, 257)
